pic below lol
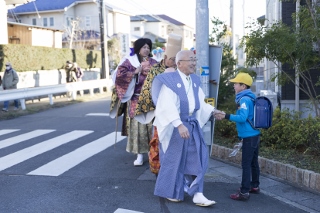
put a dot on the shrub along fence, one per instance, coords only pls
(27, 58)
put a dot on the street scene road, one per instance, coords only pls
(66, 160)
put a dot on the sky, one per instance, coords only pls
(185, 10)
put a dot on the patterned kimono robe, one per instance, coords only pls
(145, 113)
(128, 87)
(145, 108)
(183, 161)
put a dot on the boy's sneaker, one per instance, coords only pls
(255, 190)
(5, 109)
(16, 108)
(240, 196)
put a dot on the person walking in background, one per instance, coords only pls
(180, 113)
(144, 112)
(10, 81)
(130, 76)
(78, 73)
(250, 136)
(70, 72)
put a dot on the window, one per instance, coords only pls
(136, 29)
(45, 22)
(34, 21)
(69, 19)
(88, 21)
(51, 22)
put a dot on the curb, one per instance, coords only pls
(287, 172)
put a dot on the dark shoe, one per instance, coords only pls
(255, 190)
(240, 196)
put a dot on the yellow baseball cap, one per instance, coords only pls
(242, 77)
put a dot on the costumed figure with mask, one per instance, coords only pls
(129, 78)
(145, 108)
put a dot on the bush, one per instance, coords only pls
(33, 58)
(288, 132)
(290, 139)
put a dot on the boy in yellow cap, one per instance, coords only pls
(250, 136)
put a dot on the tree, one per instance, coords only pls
(221, 35)
(296, 46)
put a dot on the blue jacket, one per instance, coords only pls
(245, 110)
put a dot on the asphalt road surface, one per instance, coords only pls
(66, 160)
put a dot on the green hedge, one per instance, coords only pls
(29, 58)
(288, 132)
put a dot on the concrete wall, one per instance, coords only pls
(50, 77)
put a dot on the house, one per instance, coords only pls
(19, 33)
(148, 26)
(4, 4)
(292, 97)
(159, 26)
(177, 27)
(78, 19)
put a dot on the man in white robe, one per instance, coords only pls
(180, 113)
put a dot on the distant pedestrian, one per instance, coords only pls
(78, 73)
(71, 75)
(10, 81)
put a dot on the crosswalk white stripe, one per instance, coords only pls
(68, 161)
(98, 114)
(24, 137)
(32, 151)
(126, 211)
(6, 131)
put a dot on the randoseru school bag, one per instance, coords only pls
(263, 112)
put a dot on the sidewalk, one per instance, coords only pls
(301, 198)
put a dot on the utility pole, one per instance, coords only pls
(202, 34)
(104, 56)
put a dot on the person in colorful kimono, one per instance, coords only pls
(180, 114)
(144, 112)
(129, 78)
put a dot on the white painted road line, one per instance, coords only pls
(126, 211)
(70, 160)
(37, 149)
(98, 114)
(24, 137)
(6, 131)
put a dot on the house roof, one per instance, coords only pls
(154, 37)
(118, 9)
(147, 18)
(43, 5)
(58, 5)
(171, 20)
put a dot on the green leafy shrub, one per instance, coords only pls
(33, 58)
(288, 131)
